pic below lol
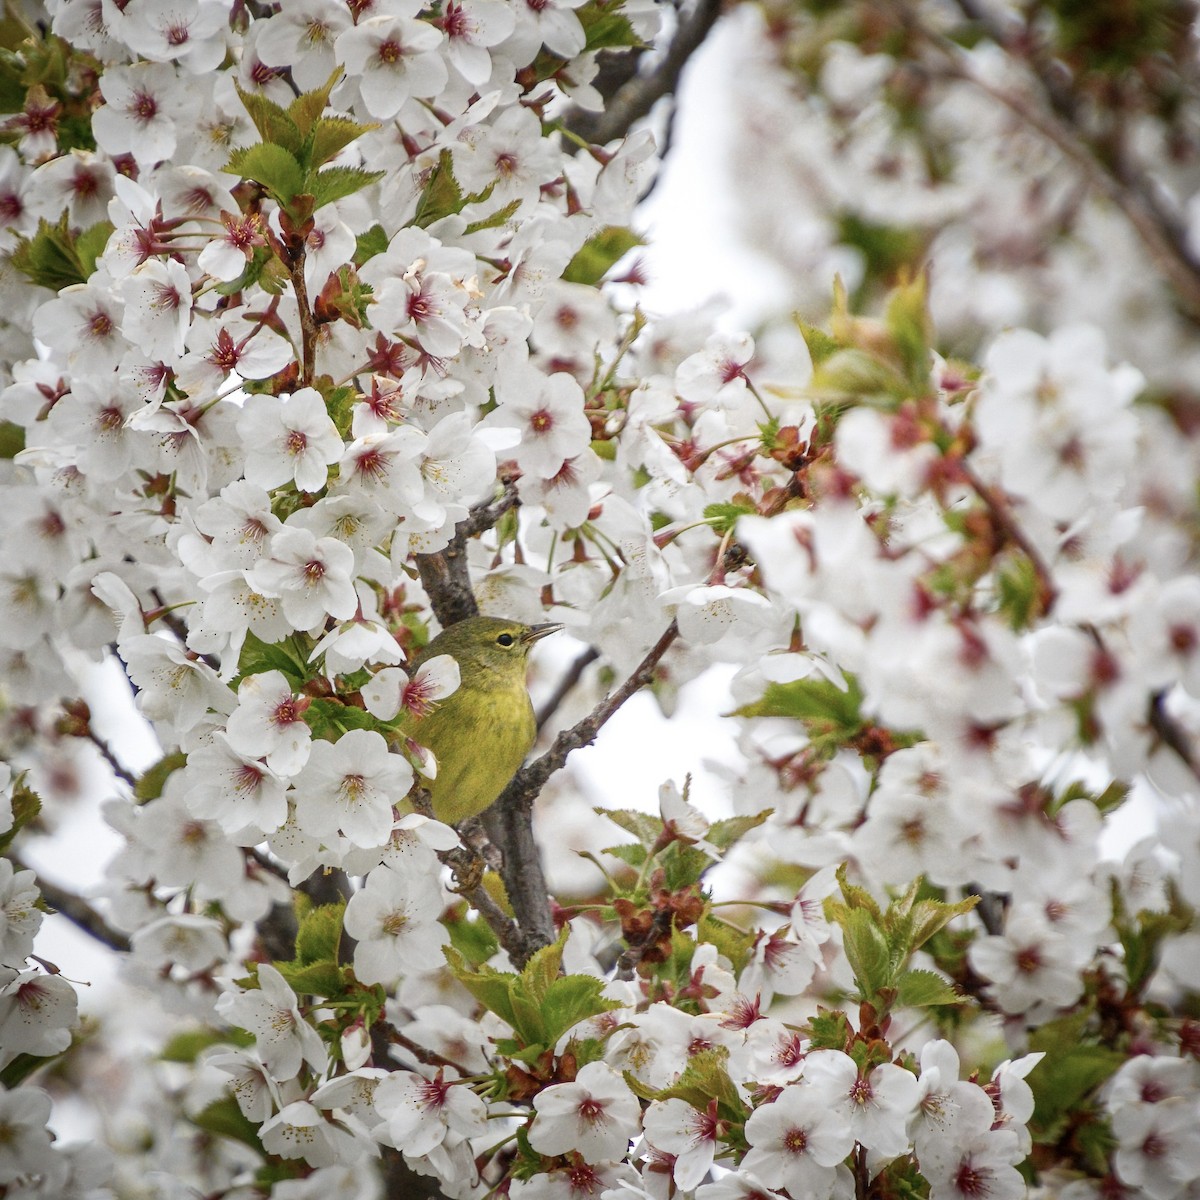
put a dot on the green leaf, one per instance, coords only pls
(26, 804)
(442, 196)
(493, 989)
(829, 713)
(730, 942)
(273, 123)
(374, 241)
(723, 517)
(474, 940)
(332, 135)
(855, 896)
(1072, 1069)
(315, 979)
(683, 866)
(496, 220)
(867, 951)
(225, 1119)
(706, 1078)
(329, 719)
(1018, 591)
(928, 917)
(821, 345)
(925, 989)
(258, 657)
(829, 1030)
(187, 1045)
(24, 1065)
(629, 852)
(599, 253)
(543, 969)
(886, 249)
(272, 166)
(571, 999)
(606, 28)
(90, 244)
(856, 373)
(307, 108)
(56, 257)
(153, 779)
(724, 834)
(528, 1023)
(320, 934)
(645, 828)
(907, 319)
(335, 183)
(12, 440)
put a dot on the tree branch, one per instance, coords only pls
(77, 910)
(636, 97)
(510, 819)
(1113, 175)
(1171, 733)
(444, 572)
(531, 779)
(566, 684)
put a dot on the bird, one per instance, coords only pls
(481, 732)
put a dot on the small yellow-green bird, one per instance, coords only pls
(480, 733)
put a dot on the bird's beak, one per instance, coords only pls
(536, 632)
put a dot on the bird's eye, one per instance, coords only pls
(505, 639)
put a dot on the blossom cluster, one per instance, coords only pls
(309, 299)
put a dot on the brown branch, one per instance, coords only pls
(308, 322)
(445, 574)
(510, 819)
(637, 97)
(1171, 734)
(78, 911)
(1001, 513)
(532, 778)
(566, 684)
(1130, 191)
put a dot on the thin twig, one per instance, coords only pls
(1171, 734)
(566, 684)
(532, 778)
(484, 516)
(998, 506)
(106, 752)
(1130, 191)
(636, 98)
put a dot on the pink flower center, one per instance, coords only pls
(247, 779)
(455, 22)
(970, 1181)
(542, 421)
(166, 298)
(296, 442)
(372, 465)
(795, 1141)
(1183, 639)
(390, 52)
(1154, 1146)
(1029, 960)
(144, 106)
